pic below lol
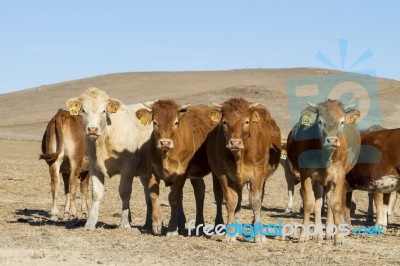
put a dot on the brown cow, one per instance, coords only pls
(323, 146)
(244, 148)
(63, 148)
(377, 169)
(176, 153)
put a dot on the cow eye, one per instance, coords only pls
(247, 122)
(104, 111)
(320, 122)
(224, 122)
(176, 123)
(83, 111)
(155, 123)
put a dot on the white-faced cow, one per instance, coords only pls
(63, 148)
(244, 148)
(323, 146)
(176, 153)
(115, 141)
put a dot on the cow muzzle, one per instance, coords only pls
(333, 142)
(165, 144)
(93, 131)
(235, 144)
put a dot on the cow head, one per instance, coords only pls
(238, 116)
(329, 118)
(95, 107)
(165, 115)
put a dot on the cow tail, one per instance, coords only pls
(51, 157)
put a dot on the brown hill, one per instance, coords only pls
(24, 114)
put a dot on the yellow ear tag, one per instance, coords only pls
(283, 154)
(143, 121)
(353, 119)
(305, 119)
(113, 108)
(214, 117)
(73, 110)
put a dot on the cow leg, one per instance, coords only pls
(181, 214)
(385, 208)
(318, 194)
(147, 227)
(392, 200)
(309, 203)
(97, 195)
(335, 206)
(67, 191)
(256, 197)
(378, 198)
(290, 180)
(73, 186)
(175, 202)
(347, 206)
(84, 194)
(238, 208)
(396, 208)
(231, 199)
(54, 170)
(154, 192)
(370, 212)
(219, 197)
(199, 188)
(125, 192)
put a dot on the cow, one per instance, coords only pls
(63, 148)
(377, 170)
(323, 146)
(116, 144)
(176, 153)
(245, 147)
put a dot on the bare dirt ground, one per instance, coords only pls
(27, 236)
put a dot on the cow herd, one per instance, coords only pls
(238, 142)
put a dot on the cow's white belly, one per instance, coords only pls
(386, 184)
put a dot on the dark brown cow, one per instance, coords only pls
(244, 148)
(176, 153)
(323, 146)
(377, 169)
(63, 148)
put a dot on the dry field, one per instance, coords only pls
(27, 236)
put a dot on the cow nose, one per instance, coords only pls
(333, 141)
(166, 143)
(93, 130)
(235, 142)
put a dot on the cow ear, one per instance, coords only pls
(145, 116)
(113, 106)
(215, 115)
(74, 105)
(352, 116)
(308, 116)
(258, 112)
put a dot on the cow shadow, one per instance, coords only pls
(42, 218)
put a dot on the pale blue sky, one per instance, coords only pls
(45, 42)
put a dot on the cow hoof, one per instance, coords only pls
(84, 215)
(54, 218)
(125, 225)
(229, 239)
(90, 225)
(303, 238)
(260, 239)
(288, 211)
(66, 216)
(172, 234)
(157, 230)
(339, 240)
